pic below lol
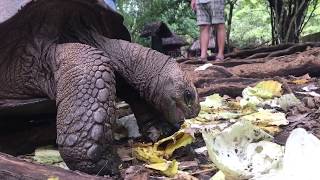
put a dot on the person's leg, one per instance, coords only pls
(217, 12)
(221, 35)
(204, 40)
(204, 23)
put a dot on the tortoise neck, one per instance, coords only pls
(141, 67)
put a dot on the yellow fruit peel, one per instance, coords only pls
(168, 168)
(181, 142)
(147, 153)
(268, 89)
(156, 154)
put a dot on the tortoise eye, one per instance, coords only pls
(188, 98)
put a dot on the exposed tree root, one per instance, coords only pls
(230, 77)
(293, 49)
(227, 86)
(247, 53)
(272, 51)
(296, 65)
(14, 168)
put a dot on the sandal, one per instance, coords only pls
(201, 59)
(219, 58)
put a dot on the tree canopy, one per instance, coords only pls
(254, 22)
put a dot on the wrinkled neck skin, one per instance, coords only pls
(143, 69)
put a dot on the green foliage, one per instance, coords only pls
(251, 23)
(177, 14)
(313, 25)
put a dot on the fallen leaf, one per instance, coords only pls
(53, 178)
(266, 118)
(178, 142)
(253, 96)
(168, 168)
(47, 155)
(184, 176)
(137, 173)
(147, 153)
(287, 101)
(300, 81)
(268, 89)
(188, 164)
(271, 129)
(155, 154)
(203, 67)
(297, 118)
(214, 101)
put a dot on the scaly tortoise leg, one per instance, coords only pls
(86, 109)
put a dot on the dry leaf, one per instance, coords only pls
(173, 142)
(266, 118)
(180, 142)
(154, 154)
(268, 89)
(147, 153)
(300, 81)
(184, 176)
(137, 173)
(53, 178)
(169, 168)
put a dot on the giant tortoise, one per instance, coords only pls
(77, 53)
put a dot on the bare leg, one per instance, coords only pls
(221, 35)
(204, 40)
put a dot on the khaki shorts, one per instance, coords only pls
(210, 13)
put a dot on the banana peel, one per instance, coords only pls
(156, 155)
(176, 144)
(168, 168)
(148, 153)
(267, 117)
(173, 142)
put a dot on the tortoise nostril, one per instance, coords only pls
(178, 124)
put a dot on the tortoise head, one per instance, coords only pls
(154, 77)
(178, 98)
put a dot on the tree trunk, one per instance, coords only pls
(288, 19)
(231, 4)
